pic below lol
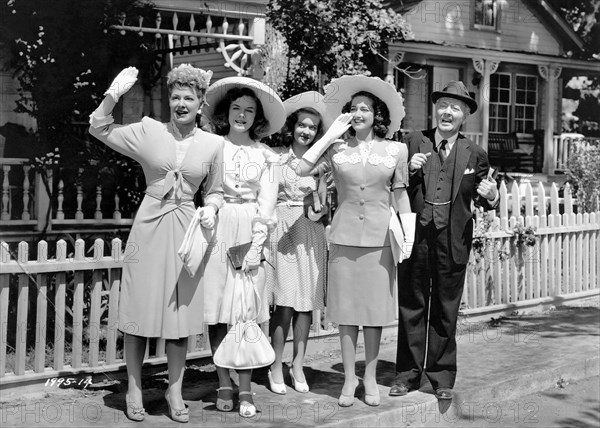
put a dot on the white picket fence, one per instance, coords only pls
(75, 297)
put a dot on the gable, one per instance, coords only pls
(520, 28)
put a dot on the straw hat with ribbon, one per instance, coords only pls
(310, 99)
(271, 103)
(341, 90)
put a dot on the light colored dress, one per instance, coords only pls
(298, 249)
(157, 297)
(250, 180)
(361, 269)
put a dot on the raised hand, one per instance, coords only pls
(335, 131)
(338, 127)
(122, 83)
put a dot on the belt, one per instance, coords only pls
(152, 194)
(290, 204)
(231, 200)
(437, 203)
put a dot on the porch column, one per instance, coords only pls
(486, 68)
(550, 74)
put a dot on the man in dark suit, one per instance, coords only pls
(448, 172)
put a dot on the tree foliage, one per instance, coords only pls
(584, 17)
(63, 54)
(333, 37)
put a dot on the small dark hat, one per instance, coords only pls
(457, 90)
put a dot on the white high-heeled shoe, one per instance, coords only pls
(247, 409)
(298, 386)
(277, 388)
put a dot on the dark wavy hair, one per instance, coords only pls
(286, 136)
(221, 115)
(381, 114)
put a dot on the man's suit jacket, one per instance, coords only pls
(471, 167)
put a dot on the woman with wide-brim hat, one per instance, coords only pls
(243, 110)
(369, 172)
(296, 277)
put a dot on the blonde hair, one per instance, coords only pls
(187, 75)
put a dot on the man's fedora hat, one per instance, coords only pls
(457, 90)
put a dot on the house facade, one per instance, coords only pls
(513, 55)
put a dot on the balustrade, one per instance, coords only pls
(81, 199)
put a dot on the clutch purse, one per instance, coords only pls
(237, 253)
(195, 244)
(402, 234)
(312, 200)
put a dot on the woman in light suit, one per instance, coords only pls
(369, 172)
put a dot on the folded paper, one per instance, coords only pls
(402, 234)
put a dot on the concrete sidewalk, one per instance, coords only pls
(499, 360)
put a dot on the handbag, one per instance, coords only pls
(402, 234)
(194, 245)
(245, 346)
(237, 253)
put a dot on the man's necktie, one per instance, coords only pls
(442, 150)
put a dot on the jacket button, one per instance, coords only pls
(362, 187)
(362, 201)
(362, 217)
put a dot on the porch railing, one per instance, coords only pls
(58, 313)
(562, 148)
(25, 199)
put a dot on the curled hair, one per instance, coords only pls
(260, 126)
(381, 114)
(188, 76)
(286, 136)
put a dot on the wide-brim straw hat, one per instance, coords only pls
(310, 99)
(341, 90)
(270, 101)
(457, 90)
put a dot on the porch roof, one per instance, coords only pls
(428, 49)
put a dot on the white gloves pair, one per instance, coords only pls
(335, 131)
(122, 83)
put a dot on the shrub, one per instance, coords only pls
(583, 169)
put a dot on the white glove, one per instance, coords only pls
(253, 256)
(335, 131)
(122, 83)
(207, 216)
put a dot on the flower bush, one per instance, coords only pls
(583, 170)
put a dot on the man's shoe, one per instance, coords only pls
(443, 393)
(399, 390)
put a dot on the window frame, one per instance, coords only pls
(496, 118)
(512, 105)
(525, 119)
(497, 16)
